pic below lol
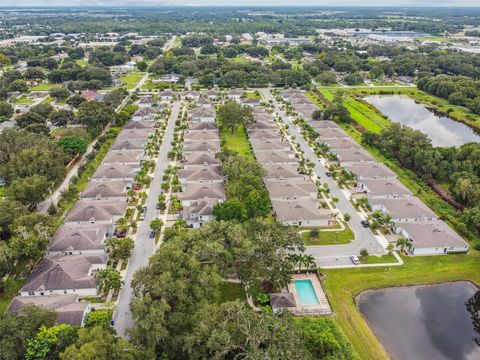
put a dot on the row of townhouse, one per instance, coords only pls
(293, 195)
(201, 176)
(211, 95)
(77, 250)
(300, 103)
(375, 181)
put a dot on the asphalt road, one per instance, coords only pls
(144, 246)
(332, 255)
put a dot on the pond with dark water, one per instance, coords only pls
(436, 322)
(443, 130)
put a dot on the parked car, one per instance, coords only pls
(354, 260)
(144, 212)
(365, 223)
(152, 234)
(137, 187)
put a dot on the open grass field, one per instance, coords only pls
(342, 285)
(329, 237)
(131, 79)
(236, 141)
(44, 87)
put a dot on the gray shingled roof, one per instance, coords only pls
(105, 189)
(406, 208)
(282, 300)
(195, 191)
(138, 125)
(206, 173)
(432, 234)
(88, 211)
(70, 237)
(200, 159)
(68, 309)
(203, 126)
(114, 171)
(201, 146)
(123, 157)
(370, 170)
(64, 272)
(291, 210)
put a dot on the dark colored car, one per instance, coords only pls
(365, 223)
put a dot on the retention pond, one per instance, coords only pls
(443, 130)
(425, 322)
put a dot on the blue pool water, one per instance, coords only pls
(306, 292)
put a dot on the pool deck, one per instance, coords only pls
(323, 308)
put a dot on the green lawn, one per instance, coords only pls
(44, 87)
(253, 95)
(231, 292)
(342, 285)
(11, 290)
(238, 141)
(131, 79)
(372, 259)
(47, 100)
(363, 114)
(81, 62)
(330, 237)
(23, 100)
(2, 191)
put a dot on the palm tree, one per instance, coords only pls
(402, 243)
(294, 259)
(309, 262)
(334, 217)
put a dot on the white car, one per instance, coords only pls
(355, 260)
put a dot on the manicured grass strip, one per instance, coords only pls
(342, 285)
(238, 141)
(330, 237)
(372, 259)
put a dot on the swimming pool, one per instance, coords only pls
(306, 292)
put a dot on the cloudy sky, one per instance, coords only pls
(26, 3)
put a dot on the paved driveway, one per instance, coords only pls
(330, 255)
(144, 246)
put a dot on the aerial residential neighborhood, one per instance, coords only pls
(239, 181)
